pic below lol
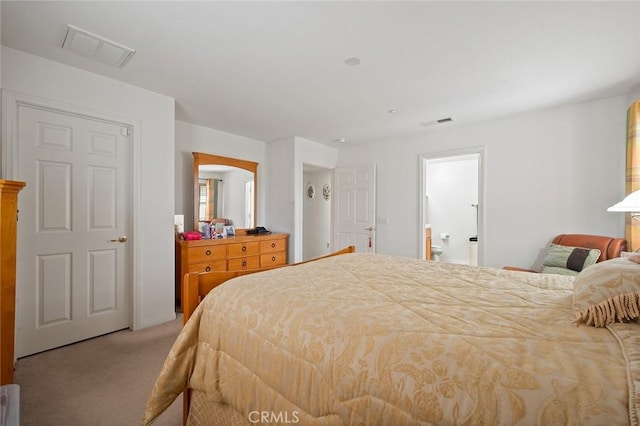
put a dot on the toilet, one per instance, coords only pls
(436, 252)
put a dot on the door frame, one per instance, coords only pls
(12, 100)
(481, 152)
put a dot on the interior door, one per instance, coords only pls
(354, 207)
(73, 268)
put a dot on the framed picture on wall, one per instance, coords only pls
(326, 191)
(311, 191)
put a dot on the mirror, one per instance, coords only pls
(224, 191)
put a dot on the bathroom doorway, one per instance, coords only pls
(451, 194)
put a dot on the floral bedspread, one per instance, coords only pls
(376, 339)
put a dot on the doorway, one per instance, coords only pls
(316, 211)
(451, 194)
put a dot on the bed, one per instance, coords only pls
(376, 339)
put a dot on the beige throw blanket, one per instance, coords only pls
(374, 339)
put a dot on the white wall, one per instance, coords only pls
(153, 165)
(280, 189)
(316, 221)
(193, 138)
(285, 162)
(548, 172)
(634, 95)
(280, 171)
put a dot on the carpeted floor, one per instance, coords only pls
(101, 381)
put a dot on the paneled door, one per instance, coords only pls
(73, 267)
(354, 207)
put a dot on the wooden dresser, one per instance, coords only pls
(8, 236)
(237, 253)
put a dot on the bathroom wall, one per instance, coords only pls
(451, 186)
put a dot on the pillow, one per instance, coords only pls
(607, 292)
(567, 260)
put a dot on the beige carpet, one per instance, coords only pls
(101, 381)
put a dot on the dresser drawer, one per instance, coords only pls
(271, 246)
(273, 259)
(206, 253)
(244, 249)
(242, 252)
(214, 265)
(242, 263)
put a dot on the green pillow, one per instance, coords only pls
(558, 270)
(568, 260)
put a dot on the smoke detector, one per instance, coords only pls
(96, 47)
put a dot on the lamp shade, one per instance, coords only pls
(630, 203)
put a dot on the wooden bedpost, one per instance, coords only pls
(186, 401)
(190, 295)
(632, 226)
(196, 285)
(190, 299)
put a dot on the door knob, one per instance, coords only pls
(120, 239)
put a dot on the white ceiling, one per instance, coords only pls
(271, 70)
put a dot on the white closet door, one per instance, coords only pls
(73, 266)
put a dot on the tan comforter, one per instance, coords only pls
(372, 339)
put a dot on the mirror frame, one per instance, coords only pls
(200, 158)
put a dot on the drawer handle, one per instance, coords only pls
(244, 248)
(208, 269)
(208, 252)
(273, 258)
(273, 245)
(244, 263)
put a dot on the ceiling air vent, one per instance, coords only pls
(434, 122)
(95, 47)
